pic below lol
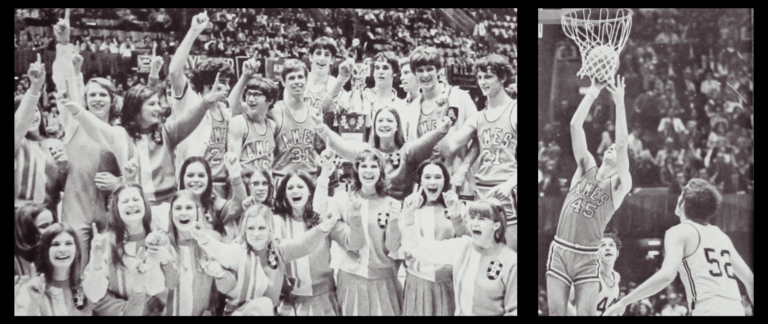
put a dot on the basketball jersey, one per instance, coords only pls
(708, 272)
(216, 146)
(498, 143)
(258, 149)
(294, 143)
(607, 295)
(586, 211)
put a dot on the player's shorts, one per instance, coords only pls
(717, 306)
(573, 264)
(508, 203)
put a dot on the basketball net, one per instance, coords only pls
(600, 41)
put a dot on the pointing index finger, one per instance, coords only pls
(95, 229)
(39, 61)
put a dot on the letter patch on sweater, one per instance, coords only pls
(382, 220)
(494, 269)
(394, 158)
(272, 260)
(79, 298)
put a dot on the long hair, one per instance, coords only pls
(446, 178)
(206, 198)
(498, 65)
(283, 206)
(25, 233)
(399, 137)
(249, 171)
(131, 111)
(255, 211)
(382, 186)
(40, 127)
(114, 109)
(117, 226)
(205, 73)
(492, 209)
(173, 236)
(44, 265)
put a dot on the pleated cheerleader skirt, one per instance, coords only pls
(320, 305)
(428, 298)
(380, 295)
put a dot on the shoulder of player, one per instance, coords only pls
(237, 122)
(681, 231)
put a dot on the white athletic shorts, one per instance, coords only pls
(717, 306)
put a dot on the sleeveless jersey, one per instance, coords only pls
(294, 142)
(498, 143)
(216, 146)
(258, 149)
(708, 272)
(586, 211)
(608, 295)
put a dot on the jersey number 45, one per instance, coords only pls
(588, 208)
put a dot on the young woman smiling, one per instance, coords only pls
(57, 290)
(484, 268)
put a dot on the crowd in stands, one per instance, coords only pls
(689, 104)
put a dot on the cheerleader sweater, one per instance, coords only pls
(313, 273)
(259, 273)
(433, 225)
(156, 172)
(192, 295)
(484, 284)
(375, 258)
(58, 300)
(109, 286)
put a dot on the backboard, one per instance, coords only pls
(551, 16)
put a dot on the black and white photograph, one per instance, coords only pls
(197, 161)
(646, 162)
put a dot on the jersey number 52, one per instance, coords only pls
(588, 208)
(726, 265)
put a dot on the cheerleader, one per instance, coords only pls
(259, 260)
(144, 136)
(218, 214)
(119, 281)
(57, 290)
(484, 268)
(31, 220)
(195, 293)
(367, 279)
(95, 173)
(401, 158)
(314, 289)
(260, 186)
(428, 286)
(40, 163)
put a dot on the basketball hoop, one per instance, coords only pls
(600, 41)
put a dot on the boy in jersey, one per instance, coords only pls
(251, 134)
(609, 279)
(595, 194)
(704, 257)
(494, 135)
(209, 139)
(294, 130)
(423, 115)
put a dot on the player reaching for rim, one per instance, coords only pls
(703, 255)
(595, 194)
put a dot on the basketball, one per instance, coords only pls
(602, 61)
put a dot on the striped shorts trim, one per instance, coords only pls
(573, 260)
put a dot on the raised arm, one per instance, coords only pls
(345, 72)
(308, 242)
(236, 133)
(459, 175)
(250, 68)
(421, 148)
(346, 149)
(176, 67)
(99, 131)
(233, 209)
(349, 233)
(584, 160)
(624, 183)
(460, 138)
(187, 122)
(24, 115)
(439, 252)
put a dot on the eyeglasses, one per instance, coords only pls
(254, 94)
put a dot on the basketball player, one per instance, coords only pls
(704, 257)
(209, 139)
(595, 194)
(494, 135)
(609, 279)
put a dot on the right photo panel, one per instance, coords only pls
(646, 158)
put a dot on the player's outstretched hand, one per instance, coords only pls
(617, 89)
(599, 84)
(217, 93)
(199, 22)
